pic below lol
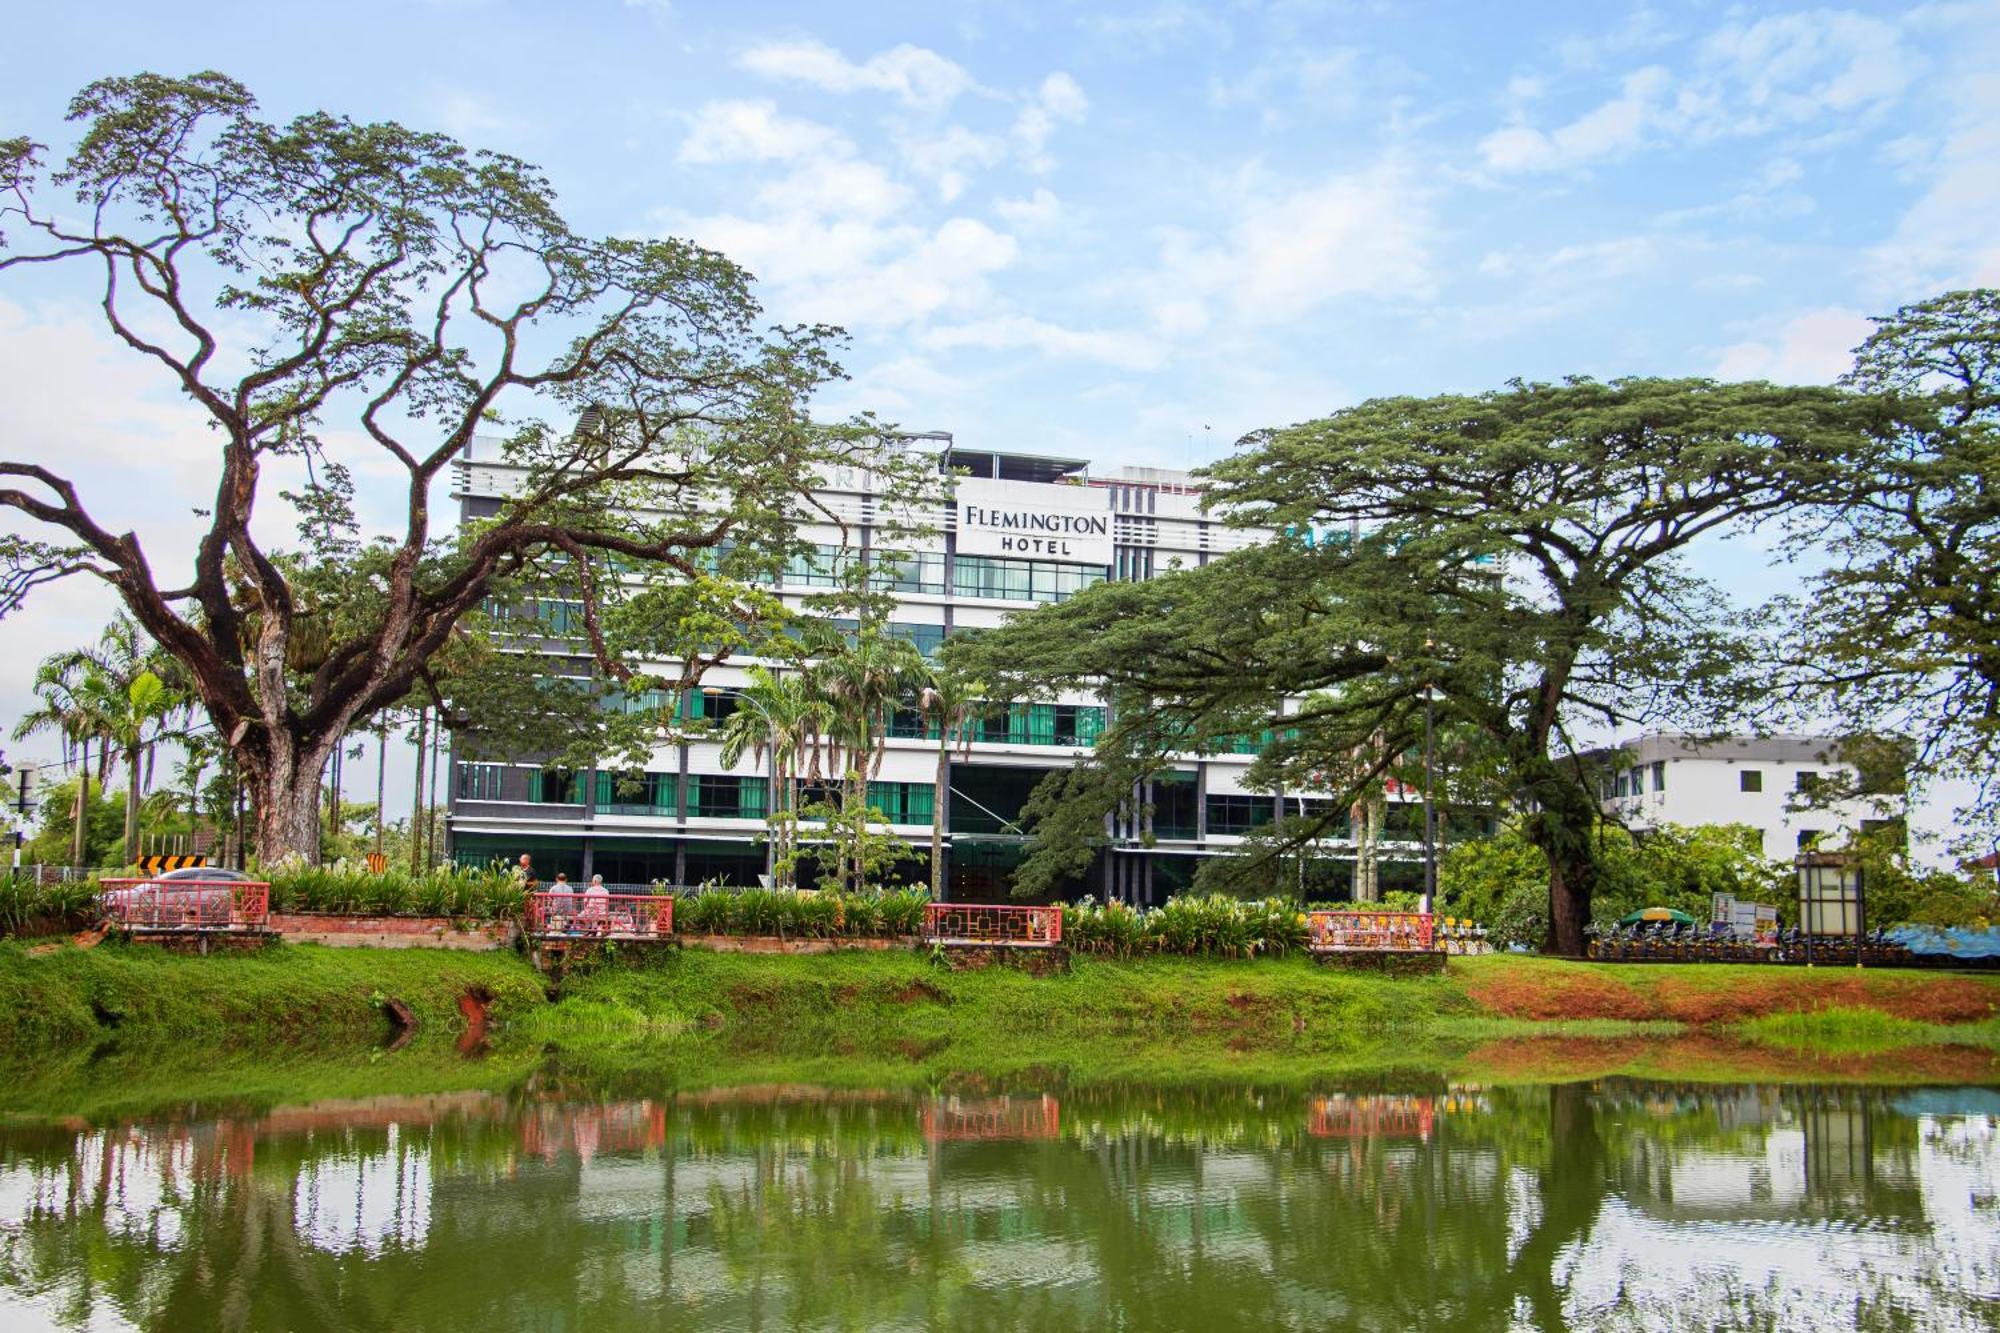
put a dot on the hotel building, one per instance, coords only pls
(1021, 530)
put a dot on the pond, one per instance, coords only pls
(556, 1205)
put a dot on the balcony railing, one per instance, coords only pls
(1399, 932)
(990, 924)
(191, 905)
(600, 916)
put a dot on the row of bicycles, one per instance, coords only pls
(1667, 942)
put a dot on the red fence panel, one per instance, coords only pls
(601, 916)
(185, 904)
(1402, 932)
(988, 923)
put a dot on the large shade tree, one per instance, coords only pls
(332, 296)
(1520, 554)
(1902, 630)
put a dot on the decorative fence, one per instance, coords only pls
(1340, 1116)
(601, 916)
(990, 1119)
(190, 905)
(1394, 932)
(989, 924)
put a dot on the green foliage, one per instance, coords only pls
(55, 832)
(485, 894)
(800, 915)
(1902, 629)
(1502, 882)
(1516, 552)
(61, 906)
(1212, 926)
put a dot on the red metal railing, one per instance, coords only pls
(958, 1120)
(185, 904)
(601, 916)
(1370, 1117)
(1406, 932)
(984, 923)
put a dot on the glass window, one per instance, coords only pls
(1751, 779)
(1230, 814)
(822, 567)
(903, 802)
(1021, 580)
(557, 786)
(635, 793)
(723, 796)
(1659, 775)
(1638, 781)
(1174, 809)
(926, 639)
(479, 782)
(1804, 779)
(910, 571)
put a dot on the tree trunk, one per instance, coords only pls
(937, 819)
(417, 801)
(1562, 831)
(381, 783)
(82, 806)
(131, 807)
(285, 797)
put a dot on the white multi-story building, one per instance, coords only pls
(1767, 783)
(1020, 530)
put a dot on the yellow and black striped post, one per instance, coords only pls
(153, 865)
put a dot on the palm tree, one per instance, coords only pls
(71, 703)
(863, 684)
(949, 702)
(783, 717)
(138, 705)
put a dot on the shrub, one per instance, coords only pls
(65, 905)
(490, 893)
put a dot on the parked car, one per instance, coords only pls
(190, 896)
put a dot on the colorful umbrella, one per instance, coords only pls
(1673, 914)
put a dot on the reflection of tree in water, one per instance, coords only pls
(1214, 1208)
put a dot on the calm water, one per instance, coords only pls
(1610, 1205)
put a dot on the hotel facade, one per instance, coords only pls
(1020, 531)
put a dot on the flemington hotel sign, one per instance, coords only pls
(992, 522)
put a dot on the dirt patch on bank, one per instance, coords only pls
(1697, 997)
(1710, 1057)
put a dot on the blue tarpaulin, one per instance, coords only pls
(1958, 942)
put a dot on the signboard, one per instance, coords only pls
(1754, 920)
(1024, 520)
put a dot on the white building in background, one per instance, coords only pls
(1020, 530)
(1762, 782)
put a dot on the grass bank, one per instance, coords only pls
(875, 1018)
(65, 997)
(894, 1018)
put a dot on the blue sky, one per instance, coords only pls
(1133, 232)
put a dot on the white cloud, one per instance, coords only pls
(1153, 30)
(1816, 347)
(1784, 72)
(916, 76)
(945, 158)
(1364, 233)
(742, 131)
(834, 188)
(1059, 99)
(1126, 350)
(1949, 236)
(1614, 127)
(1596, 261)
(1040, 209)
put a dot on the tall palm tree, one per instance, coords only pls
(949, 702)
(863, 684)
(781, 716)
(139, 704)
(70, 703)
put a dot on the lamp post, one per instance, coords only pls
(1430, 810)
